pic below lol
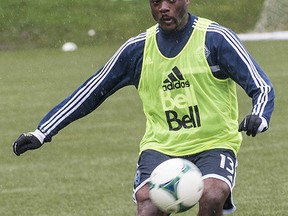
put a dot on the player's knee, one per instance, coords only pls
(147, 208)
(211, 199)
(215, 193)
(145, 205)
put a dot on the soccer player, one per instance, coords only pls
(185, 69)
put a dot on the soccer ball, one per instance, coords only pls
(176, 185)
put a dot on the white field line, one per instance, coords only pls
(281, 35)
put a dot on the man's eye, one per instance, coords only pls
(156, 1)
(159, 1)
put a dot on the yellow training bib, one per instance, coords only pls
(188, 110)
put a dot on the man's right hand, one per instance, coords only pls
(26, 142)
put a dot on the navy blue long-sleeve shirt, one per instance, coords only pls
(225, 54)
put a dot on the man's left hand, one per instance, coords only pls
(253, 125)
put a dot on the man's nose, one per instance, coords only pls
(164, 7)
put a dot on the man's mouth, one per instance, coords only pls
(167, 20)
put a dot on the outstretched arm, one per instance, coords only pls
(234, 62)
(121, 70)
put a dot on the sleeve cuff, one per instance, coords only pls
(39, 135)
(263, 126)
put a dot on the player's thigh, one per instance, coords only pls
(218, 168)
(143, 193)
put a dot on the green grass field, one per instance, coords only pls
(89, 167)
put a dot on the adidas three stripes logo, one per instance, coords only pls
(175, 80)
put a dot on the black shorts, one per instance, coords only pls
(217, 163)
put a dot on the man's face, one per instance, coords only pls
(172, 15)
